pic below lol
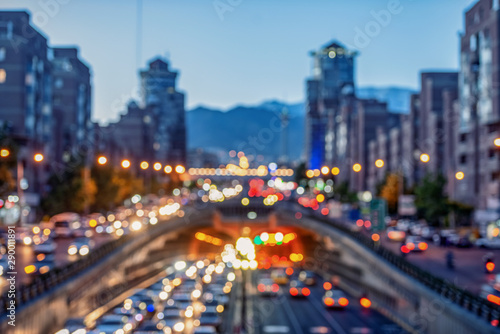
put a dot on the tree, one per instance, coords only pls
(430, 200)
(390, 191)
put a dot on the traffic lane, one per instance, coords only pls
(469, 272)
(270, 314)
(25, 256)
(315, 317)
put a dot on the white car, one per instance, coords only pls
(488, 243)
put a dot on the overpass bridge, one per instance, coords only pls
(416, 300)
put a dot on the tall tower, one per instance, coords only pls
(331, 84)
(160, 94)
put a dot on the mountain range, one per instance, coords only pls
(256, 129)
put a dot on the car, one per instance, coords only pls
(308, 277)
(210, 318)
(80, 246)
(464, 242)
(205, 330)
(109, 324)
(416, 244)
(395, 235)
(46, 247)
(298, 289)
(335, 299)
(267, 287)
(493, 243)
(182, 300)
(279, 276)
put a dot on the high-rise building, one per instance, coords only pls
(26, 93)
(329, 104)
(479, 121)
(167, 103)
(72, 94)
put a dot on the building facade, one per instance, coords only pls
(159, 92)
(330, 99)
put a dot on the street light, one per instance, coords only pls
(38, 157)
(459, 175)
(335, 171)
(310, 173)
(424, 157)
(157, 166)
(325, 170)
(102, 160)
(125, 163)
(168, 169)
(356, 168)
(497, 142)
(4, 153)
(144, 165)
(180, 169)
(379, 163)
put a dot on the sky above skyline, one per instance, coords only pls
(233, 52)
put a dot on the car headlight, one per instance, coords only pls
(72, 250)
(84, 250)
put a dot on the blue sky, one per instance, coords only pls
(246, 51)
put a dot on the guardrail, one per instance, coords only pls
(465, 299)
(49, 281)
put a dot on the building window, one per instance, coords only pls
(3, 53)
(3, 76)
(491, 154)
(463, 137)
(463, 159)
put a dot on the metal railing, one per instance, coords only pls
(460, 297)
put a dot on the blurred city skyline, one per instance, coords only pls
(209, 43)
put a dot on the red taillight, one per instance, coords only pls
(261, 287)
(343, 301)
(327, 286)
(306, 292)
(422, 246)
(490, 266)
(289, 271)
(329, 301)
(405, 249)
(275, 287)
(494, 299)
(294, 291)
(365, 302)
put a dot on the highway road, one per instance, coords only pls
(286, 314)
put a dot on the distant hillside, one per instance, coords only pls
(397, 98)
(253, 129)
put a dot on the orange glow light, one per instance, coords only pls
(343, 301)
(144, 165)
(289, 271)
(38, 157)
(375, 237)
(157, 166)
(125, 163)
(490, 266)
(494, 299)
(102, 160)
(356, 168)
(365, 302)
(327, 286)
(4, 152)
(329, 301)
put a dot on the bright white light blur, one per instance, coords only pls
(117, 224)
(207, 279)
(279, 237)
(110, 229)
(300, 190)
(179, 327)
(135, 199)
(153, 221)
(63, 331)
(253, 264)
(72, 250)
(80, 331)
(119, 232)
(219, 270)
(139, 213)
(206, 186)
(119, 331)
(163, 295)
(99, 229)
(264, 236)
(84, 250)
(136, 225)
(231, 277)
(199, 264)
(27, 240)
(196, 294)
(179, 265)
(237, 264)
(138, 317)
(160, 315)
(176, 192)
(245, 264)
